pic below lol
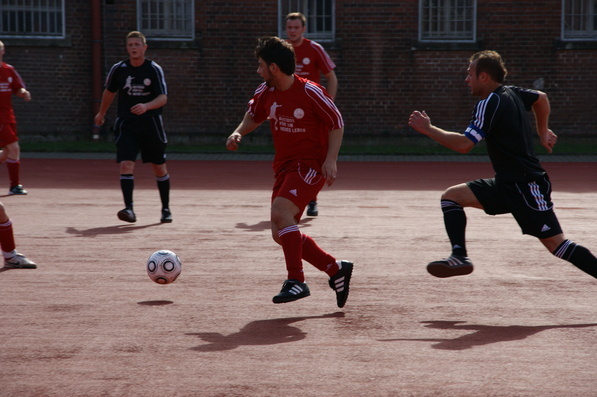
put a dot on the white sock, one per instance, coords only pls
(8, 255)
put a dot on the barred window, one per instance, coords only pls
(579, 19)
(32, 18)
(448, 20)
(320, 14)
(166, 19)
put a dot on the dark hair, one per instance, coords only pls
(275, 50)
(296, 15)
(491, 63)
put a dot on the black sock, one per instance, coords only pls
(578, 255)
(164, 189)
(455, 222)
(127, 185)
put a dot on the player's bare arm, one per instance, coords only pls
(420, 122)
(542, 109)
(245, 126)
(107, 99)
(158, 102)
(329, 170)
(332, 86)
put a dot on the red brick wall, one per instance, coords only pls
(383, 72)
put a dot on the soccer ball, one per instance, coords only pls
(164, 267)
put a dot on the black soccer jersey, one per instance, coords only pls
(135, 85)
(502, 120)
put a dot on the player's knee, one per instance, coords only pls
(275, 237)
(462, 195)
(127, 167)
(553, 243)
(451, 193)
(3, 214)
(276, 216)
(160, 170)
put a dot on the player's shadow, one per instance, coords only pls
(483, 334)
(155, 303)
(5, 269)
(266, 225)
(258, 227)
(117, 229)
(256, 333)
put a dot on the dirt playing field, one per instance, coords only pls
(89, 322)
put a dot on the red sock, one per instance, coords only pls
(7, 240)
(290, 237)
(318, 257)
(14, 167)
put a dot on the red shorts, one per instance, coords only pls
(298, 183)
(8, 134)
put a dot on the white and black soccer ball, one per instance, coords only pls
(164, 267)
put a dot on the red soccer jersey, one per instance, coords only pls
(301, 119)
(10, 83)
(312, 60)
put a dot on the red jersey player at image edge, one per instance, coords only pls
(10, 83)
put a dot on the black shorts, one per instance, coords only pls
(529, 202)
(145, 135)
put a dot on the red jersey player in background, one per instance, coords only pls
(307, 131)
(10, 83)
(311, 62)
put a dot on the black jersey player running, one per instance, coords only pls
(142, 92)
(520, 186)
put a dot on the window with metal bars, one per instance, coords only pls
(166, 19)
(579, 19)
(320, 14)
(448, 20)
(32, 18)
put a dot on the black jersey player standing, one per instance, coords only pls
(142, 92)
(520, 186)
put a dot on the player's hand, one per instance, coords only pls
(233, 141)
(549, 140)
(139, 109)
(419, 121)
(26, 95)
(329, 170)
(99, 119)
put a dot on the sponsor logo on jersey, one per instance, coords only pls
(136, 89)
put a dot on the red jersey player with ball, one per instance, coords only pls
(307, 131)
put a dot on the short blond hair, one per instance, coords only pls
(136, 35)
